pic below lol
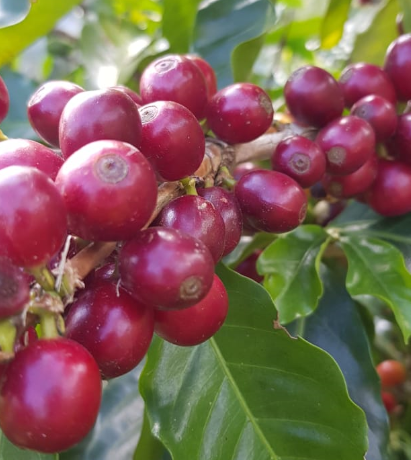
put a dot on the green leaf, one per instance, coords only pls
(377, 268)
(9, 451)
(244, 56)
(406, 15)
(13, 11)
(371, 45)
(116, 432)
(337, 327)
(292, 264)
(251, 392)
(332, 27)
(148, 446)
(42, 17)
(178, 23)
(222, 25)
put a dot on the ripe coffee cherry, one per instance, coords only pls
(208, 73)
(109, 190)
(50, 396)
(240, 113)
(379, 113)
(136, 97)
(299, 158)
(348, 142)
(313, 96)
(166, 268)
(101, 114)
(390, 193)
(352, 184)
(399, 145)
(46, 105)
(195, 324)
(227, 205)
(361, 79)
(271, 201)
(248, 267)
(244, 168)
(389, 401)
(14, 290)
(4, 100)
(115, 328)
(397, 64)
(172, 139)
(197, 217)
(391, 373)
(175, 78)
(24, 152)
(33, 219)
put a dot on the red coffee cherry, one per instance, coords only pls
(248, 267)
(399, 146)
(208, 73)
(136, 97)
(4, 100)
(14, 289)
(397, 64)
(391, 373)
(389, 400)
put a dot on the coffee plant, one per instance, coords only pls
(205, 245)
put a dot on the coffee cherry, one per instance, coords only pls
(244, 168)
(109, 190)
(248, 267)
(175, 78)
(379, 113)
(227, 205)
(46, 105)
(313, 96)
(239, 113)
(136, 97)
(390, 193)
(399, 146)
(352, 184)
(172, 139)
(96, 115)
(115, 328)
(24, 152)
(348, 142)
(50, 396)
(361, 79)
(397, 64)
(14, 290)
(302, 159)
(271, 201)
(33, 219)
(389, 400)
(4, 100)
(208, 73)
(197, 217)
(195, 324)
(391, 373)
(166, 268)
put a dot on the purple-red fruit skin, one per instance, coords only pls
(33, 218)
(46, 105)
(227, 205)
(248, 267)
(175, 78)
(397, 64)
(166, 268)
(313, 96)
(4, 100)
(109, 189)
(172, 139)
(25, 152)
(114, 327)
(50, 396)
(390, 193)
(348, 142)
(299, 158)
(130, 93)
(271, 201)
(98, 115)
(239, 113)
(208, 72)
(400, 143)
(195, 216)
(14, 289)
(195, 324)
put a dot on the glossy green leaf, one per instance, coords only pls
(42, 17)
(178, 23)
(224, 24)
(251, 392)
(332, 27)
(9, 451)
(148, 447)
(13, 11)
(406, 15)
(337, 328)
(116, 432)
(291, 265)
(377, 268)
(371, 45)
(246, 246)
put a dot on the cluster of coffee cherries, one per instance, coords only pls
(393, 375)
